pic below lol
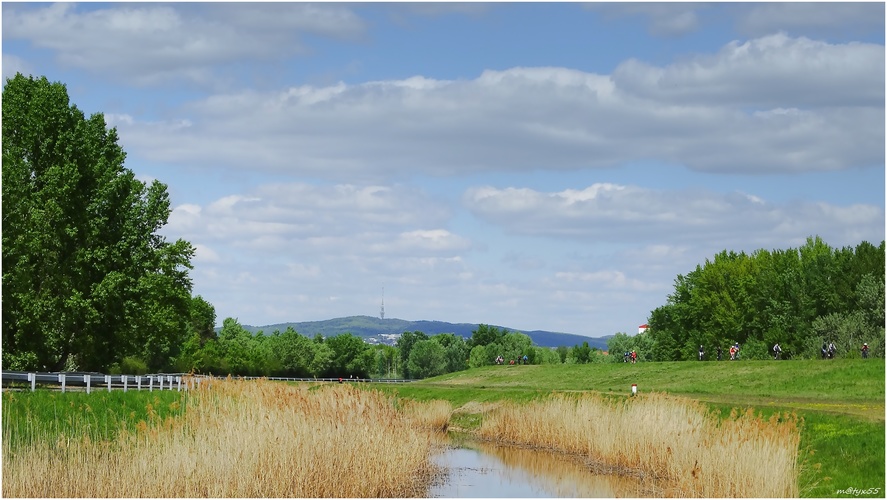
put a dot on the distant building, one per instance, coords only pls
(643, 328)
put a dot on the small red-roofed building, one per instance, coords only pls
(643, 328)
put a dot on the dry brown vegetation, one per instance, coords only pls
(676, 441)
(245, 439)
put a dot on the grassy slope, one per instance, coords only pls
(842, 402)
(29, 417)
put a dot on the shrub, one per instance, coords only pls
(130, 365)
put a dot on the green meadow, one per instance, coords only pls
(841, 402)
(52, 416)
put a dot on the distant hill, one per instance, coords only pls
(377, 330)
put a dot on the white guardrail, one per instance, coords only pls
(162, 381)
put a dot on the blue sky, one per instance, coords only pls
(544, 166)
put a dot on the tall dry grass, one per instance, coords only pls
(675, 440)
(242, 439)
(431, 415)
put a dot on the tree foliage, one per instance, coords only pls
(795, 297)
(405, 344)
(427, 359)
(87, 279)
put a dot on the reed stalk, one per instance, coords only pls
(241, 439)
(675, 440)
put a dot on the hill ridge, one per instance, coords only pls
(371, 327)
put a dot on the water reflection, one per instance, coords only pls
(483, 470)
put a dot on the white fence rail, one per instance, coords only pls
(150, 382)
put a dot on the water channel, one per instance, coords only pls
(482, 470)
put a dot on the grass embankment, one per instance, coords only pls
(235, 439)
(841, 403)
(29, 418)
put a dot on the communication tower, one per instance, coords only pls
(382, 310)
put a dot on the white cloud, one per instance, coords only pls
(151, 43)
(630, 214)
(775, 104)
(283, 223)
(205, 254)
(774, 71)
(13, 64)
(608, 279)
(434, 240)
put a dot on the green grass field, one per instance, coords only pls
(49, 415)
(841, 402)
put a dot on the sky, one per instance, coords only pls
(539, 166)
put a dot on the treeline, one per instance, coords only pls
(236, 351)
(798, 297)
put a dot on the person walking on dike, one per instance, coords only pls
(634, 356)
(865, 351)
(625, 356)
(719, 353)
(777, 351)
(701, 353)
(526, 359)
(732, 353)
(824, 350)
(832, 350)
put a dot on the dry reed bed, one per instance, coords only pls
(245, 439)
(675, 440)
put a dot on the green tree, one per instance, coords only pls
(405, 344)
(546, 356)
(322, 359)
(870, 299)
(618, 345)
(386, 361)
(203, 319)
(478, 356)
(87, 279)
(513, 345)
(581, 353)
(297, 353)
(485, 335)
(351, 356)
(456, 351)
(235, 345)
(427, 359)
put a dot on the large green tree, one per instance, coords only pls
(351, 356)
(456, 351)
(405, 344)
(87, 279)
(427, 359)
